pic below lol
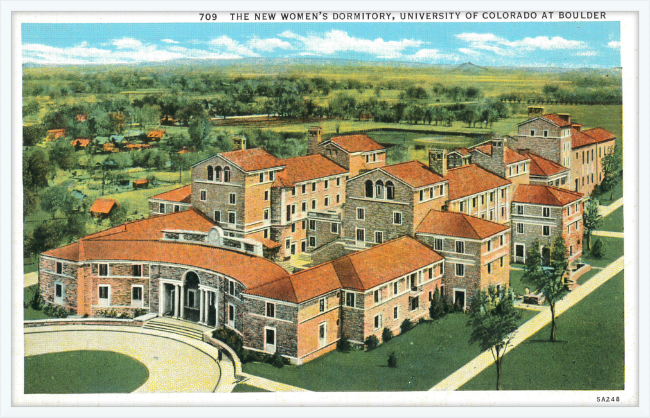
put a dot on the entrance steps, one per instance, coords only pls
(177, 326)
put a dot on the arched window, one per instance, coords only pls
(379, 189)
(217, 173)
(226, 174)
(390, 190)
(210, 173)
(369, 187)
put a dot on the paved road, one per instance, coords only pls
(485, 359)
(606, 210)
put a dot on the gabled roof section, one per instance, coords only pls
(542, 167)
(600, 134)
(461, 225)
(472, 179)
(580, 139)
(356, 143)
(545, 195)
(180, 195)
(414, 173)
(304, 168)
(510, 156)
(103, 205)
(557, 119)
(252, 159)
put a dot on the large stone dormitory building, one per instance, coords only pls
(381, 238)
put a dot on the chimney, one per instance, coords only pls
(535, 111)
(315, 138)
(576, 126)
(499, 156)
(438, 161)
(565, 116)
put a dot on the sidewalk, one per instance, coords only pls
(31, 279)
(485, 359)
(606, 210)
(270, 385)
(608, 234)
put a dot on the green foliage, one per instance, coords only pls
(118, 215)
(36, 169)
(406, 326)
(599, 249)
(343, 344)
(110, 313)
(437, 308)
(371, 342)
(231, 339)
(54, 311)
(125, 315)
(33, 134)
(57, 198)
(392, 360)
(30, 202)
(37, 301)
(591, 218)
(386, 335)
(139, 312)
(277, 361)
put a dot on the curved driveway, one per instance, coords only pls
(175, 363)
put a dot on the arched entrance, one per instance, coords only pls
(191, 306)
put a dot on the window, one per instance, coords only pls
(503, 193)
(287, 243)
(270, 338)
(482, 199)
(335, 228)
(338, 198)
(361, 214)
(492, 197)
(396, 312)
(312, 241)
(397, 218)
(501, 261)
(103, 269)
(271, 175)
(322, 334)
(231, 288)
(379, 189)
(462, 206)
(303, 225)
(266, 195)
(415, 303)
(369, 188)
(422, 195)
(520, 228)
(489, 268)
(231, 315)
(460, 247)
(136, 296)
(204, 195)
(59, 268)
(266, 233)
(270, 310)
(210, 173)
(430, 273)
(502, 240)
(474, 202)
(217, 173)
(261, 177)
(395, 288)
(226, 174)
(217, 216)
(322, 305)
(361, 235)
(161, 209)
(304, 188)
(338, 181)
(266, 214)
(177, 208)
(313, 204)
(546, 212)
(379, 237)
(137, 270)
(293, 227)
(233, 198)
(460, 270)
(58, 293)
(532, 132)
(546, 231)
(104, 295)
(232, 217)
(327, 201)
(390, 191)
(377, 296)
(545, 133)
(313, 187)
(378, 321)
(349, 299)
(437, 244)
(327, 184)
(312, 225)
(489, 245)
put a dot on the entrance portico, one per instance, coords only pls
(189, 300)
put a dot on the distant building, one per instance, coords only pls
(102, 208)
(80, 143)
(54, 134)
(172, 201)
(156, 134)
(140, 183)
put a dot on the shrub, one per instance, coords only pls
(406, 326)
(231, 339)
(125, 315)
(37, 301)
(55, 311)
(86, 315)
(139, 312)
(343, 344)
(438, 306)
(386, 335)
(110, 313)
(276, 361)
(372, 342)
(392, 360)
(458, 307)
(599, 249)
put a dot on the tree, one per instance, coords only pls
(494, 320)
(33, 134)
(62, 154)
(437, 308)
(591, 218)
(30, 107)
(57, 198)
(599, 250)
(36, 169)
(612, 166)
(45, 236)
(199, 131)
(118, 215)
(547, 280)
(30, 202)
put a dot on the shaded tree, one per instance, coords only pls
(33, 134)
(36, 169)
(591, 218)
(57, 198)
(62, 154)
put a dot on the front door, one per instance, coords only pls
(303, 246)
(519, 254)
(136, 296)
(293, 249)
(269, 340)
(459, 298)
(361, 237)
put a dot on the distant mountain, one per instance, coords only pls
(469, 68)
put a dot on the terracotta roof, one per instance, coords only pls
(156, 133)
(252, 159)
(141, 181)
(600, 134)
(454, 224)
(181, 195)
(268, 243)
(414, 173)
(103, 205)
(299, 169)
(510, 156)
(471, 179)
(463, 151)
(243, 267)
(556, 119)
(544, 195)
(82, 142)
(540, 166)
(580, 139)
(485, 148)
(357, 143)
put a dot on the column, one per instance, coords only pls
(201, 293)
(182, 305)
(161, 295)
(176, 298)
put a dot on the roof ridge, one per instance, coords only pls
(467, 221)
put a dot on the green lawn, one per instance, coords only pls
(613, 222)
(83, 372)
(589, 356)
(243, 388)
(29, 312)
(605, 200)
(425, 356)
(613, 250)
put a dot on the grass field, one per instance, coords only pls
(608, 198)
(244, 388)
(425, 356)
(83, 372)
(613, 222)
(613, 250)
(28, 294)
(589, 356)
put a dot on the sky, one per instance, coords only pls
(529, 44)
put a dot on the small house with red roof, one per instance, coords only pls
(140, 183)
(543, 213)
(156, 134)
(175, 200)
(54, 134)
(102, 208)
(80, 143)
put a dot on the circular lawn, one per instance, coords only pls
(84, 371)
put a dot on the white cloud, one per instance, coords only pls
(614, 44)
(268, 44)
(230, 45)
(468, 51)
(169, 41)
(587, 53)
(544, 42)
(503, 46)
(127, 43)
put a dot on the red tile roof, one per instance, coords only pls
(413, 173)
(156, 134)
(510, 156)
(141, 181)
(545, 195)
(103, 205)
(454, 224)
(472, 179)
(181, 195)
(82, 142)
(485, 148)
(600, 134)
(252, 159)
(557, 119)
(310, 167)
(357, 143)
(580, 139)
(540, 166)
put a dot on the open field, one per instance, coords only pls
(443, 343)
(590, 353)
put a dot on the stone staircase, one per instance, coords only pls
(177, 326)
